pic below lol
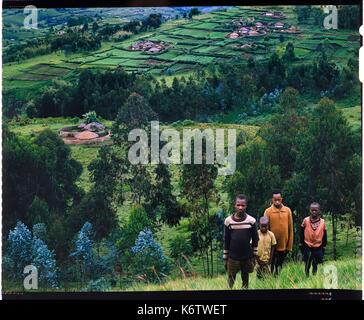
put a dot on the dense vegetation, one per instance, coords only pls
(136, 224)
(207, 92)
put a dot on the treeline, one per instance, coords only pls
(29, 49)
(74, 41)
(81, 34)
(153, 21)
(252, 88)
(69, 41)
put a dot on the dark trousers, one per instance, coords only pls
(277, 261)
(312, 257)
(234, 266)
(263, 270)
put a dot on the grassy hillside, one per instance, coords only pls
(292, 277)
(86, 153)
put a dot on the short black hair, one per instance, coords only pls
(241, 197)
(276, 191)
(316, 204)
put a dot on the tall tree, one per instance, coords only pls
(323, 165)
(282, 133)
(197, 182)
(42, 170)
(255, 176)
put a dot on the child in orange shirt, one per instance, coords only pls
(313, 238)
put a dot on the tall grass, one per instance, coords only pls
(291, 277)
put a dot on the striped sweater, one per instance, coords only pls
(240, 238)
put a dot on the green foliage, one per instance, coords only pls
(42, 169)
(163, 202)
(23, 250)
(197, 185)
(39, 212)
(289, 53)
(322, 175)
(149, 261)
(282, 133)
(89, 117)
(138, 220)
(96, 209)
(193, 12)
(180, 248)
(255, 176)
(134, 113)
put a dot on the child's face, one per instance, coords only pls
(240, 205)
(315, 211)
(263, 228)
(277, 200)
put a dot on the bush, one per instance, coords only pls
(19, 249)
(23, 250)
(149, 259)
(90, 116)
(180, 246)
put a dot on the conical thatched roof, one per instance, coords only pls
(86, 135)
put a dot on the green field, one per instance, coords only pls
(201, 40)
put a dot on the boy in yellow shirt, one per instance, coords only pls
(266, 246)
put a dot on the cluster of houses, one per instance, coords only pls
(261, 28)
(248, 31)
(249, 27)
(149, 46)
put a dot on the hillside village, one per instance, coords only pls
(252, 28)
(150, 46)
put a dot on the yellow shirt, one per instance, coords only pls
(281, 224)
(266, 241)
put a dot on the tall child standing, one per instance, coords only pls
(240, 242)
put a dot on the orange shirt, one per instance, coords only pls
(313, 238)
(281, 224)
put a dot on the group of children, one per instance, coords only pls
(247, 249)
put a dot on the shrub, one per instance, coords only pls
(90, 116)
(149, 259)
(23, 250)
(180, 246)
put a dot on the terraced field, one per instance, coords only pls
(203, 40)
(191, 43)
